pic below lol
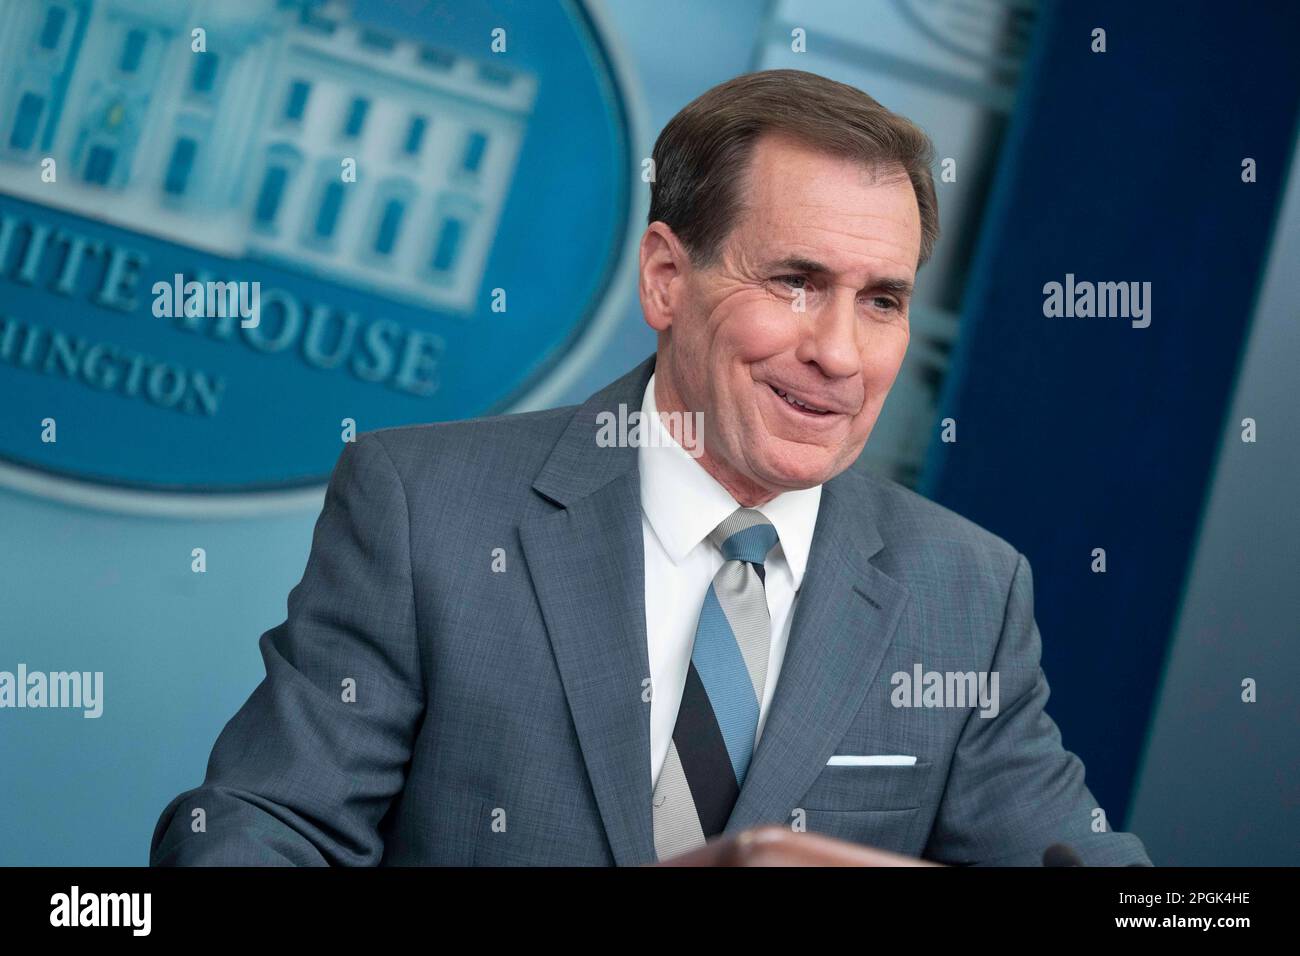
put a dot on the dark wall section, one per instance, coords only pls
(1080, 433)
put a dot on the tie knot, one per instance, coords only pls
(745, 535)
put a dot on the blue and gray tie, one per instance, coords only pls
(713, 739)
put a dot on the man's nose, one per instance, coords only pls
(830, 336)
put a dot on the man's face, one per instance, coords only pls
(815, 233)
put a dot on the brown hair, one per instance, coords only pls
(702, 154)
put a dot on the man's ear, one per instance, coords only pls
(663, 259)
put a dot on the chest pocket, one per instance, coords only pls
(858, 788)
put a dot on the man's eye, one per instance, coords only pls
(793, 281)
(886, 303)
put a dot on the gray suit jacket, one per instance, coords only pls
(480, 585)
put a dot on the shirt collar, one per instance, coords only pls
(683, 502)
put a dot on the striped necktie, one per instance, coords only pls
(713, 739)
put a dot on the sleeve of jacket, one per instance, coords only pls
(1013, 790)
(304, 772)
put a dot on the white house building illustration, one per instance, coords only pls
(240, 150)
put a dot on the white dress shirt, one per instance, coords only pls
(680, 504)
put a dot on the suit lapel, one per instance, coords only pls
(587, 566)
(844, 621)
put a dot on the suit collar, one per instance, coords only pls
(579, 465)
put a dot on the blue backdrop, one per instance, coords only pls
(1073, 433)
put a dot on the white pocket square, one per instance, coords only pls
(871, 760)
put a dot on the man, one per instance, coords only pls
(519, 640)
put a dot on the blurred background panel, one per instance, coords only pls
(499, 150)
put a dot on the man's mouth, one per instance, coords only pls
(804, 407)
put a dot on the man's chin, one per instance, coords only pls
(791, 475)
(792, 465)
